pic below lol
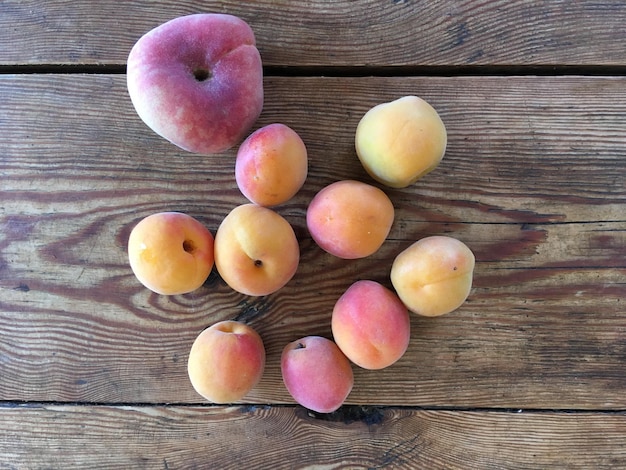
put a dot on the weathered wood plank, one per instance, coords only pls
(525, 149)
(538, 330)
(252, 437)
(341, 33)
(527, 338)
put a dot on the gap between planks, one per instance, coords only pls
(356, 71)
(357, 412)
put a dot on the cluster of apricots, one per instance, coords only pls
(197, 81)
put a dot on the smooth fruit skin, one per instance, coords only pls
(271, 165)
(256, 250)
(371, 325)
(171, 253)
(400, 141)
(433, 276)
(226, 361)
(316, 373)
(197, 81)
(350, 219)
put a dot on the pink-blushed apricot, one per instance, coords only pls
(400, 141)
(197, 81)
(226, 361)
(256, 250)
(371, 325)
(350, 219)
(171, 253)
(316, 373)
(271, 165)
(434, 275)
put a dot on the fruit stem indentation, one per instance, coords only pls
(201, 74)
(189, 246)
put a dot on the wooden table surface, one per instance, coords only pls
(528, 374)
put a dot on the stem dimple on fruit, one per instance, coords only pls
(258, 263)
(189, 246)
(201, 74)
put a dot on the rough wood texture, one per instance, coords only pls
(338, 33)
(544, 326)
(521, 149)
(528, 374)
(250, 437)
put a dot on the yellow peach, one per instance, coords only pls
(256, 250)
(400, 141)
(171, 253)
(271, 165)
(371, 325)
(433, 276)
(226, 361)
(350, 219)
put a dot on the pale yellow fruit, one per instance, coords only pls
(400, 141)
(434, 275)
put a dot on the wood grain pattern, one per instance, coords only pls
(528, 374)
(341, 33)
(523, 133)
(250, 437)
(543, 328)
